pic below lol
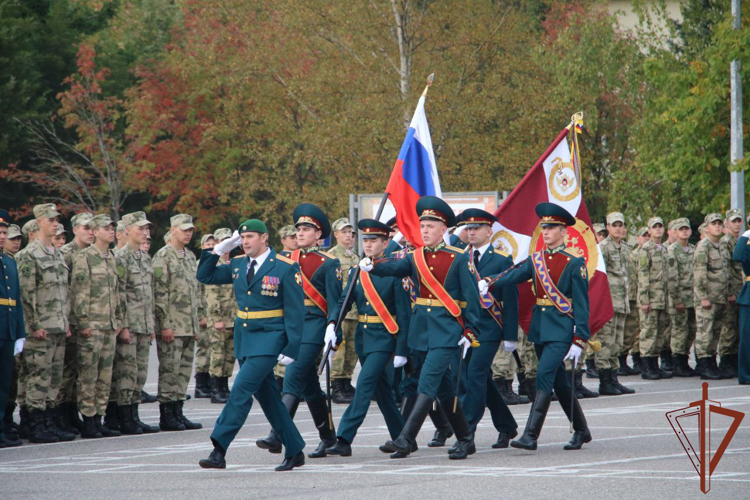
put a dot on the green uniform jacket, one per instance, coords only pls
(680, 275)
(326, 279)
(653, 275)
(494, 262)
(176, 296)
(710, 273)
(43, 275)
(11, 317)
(742, 255)
(262, 336)
(136, 290)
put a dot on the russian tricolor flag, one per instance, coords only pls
(414, 175)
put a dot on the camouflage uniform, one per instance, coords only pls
(630, 342)
(137, 302)
(203, 343)
(27, 229)
(46, 305)
(616, 257)
(710, 281)
(652, 290)
(222, 308)
(177, 302)
(70, 366)
(680, 261)
(504, 365)
(729, 339)
(345, 360)
(96, 306)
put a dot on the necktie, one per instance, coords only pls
(250, 272)
(476, 257)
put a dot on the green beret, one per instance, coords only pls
(252, 226)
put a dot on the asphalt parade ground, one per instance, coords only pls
(634, 454)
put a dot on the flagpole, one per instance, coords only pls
(349, 295)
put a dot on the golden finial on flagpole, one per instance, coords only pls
(429, 82)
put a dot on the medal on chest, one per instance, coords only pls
(270, 286)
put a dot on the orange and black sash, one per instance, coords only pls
(434, 286)
(311, 292)
(377, 302)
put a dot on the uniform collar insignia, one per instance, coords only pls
(436, 247)
(557, 249)
(310, 249)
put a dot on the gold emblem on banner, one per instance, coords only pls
(505, 242)
(562, 180)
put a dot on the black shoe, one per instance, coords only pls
(591, 371)
(38, 431)
(147, 398)
(319, 411)
(443, 430)
(217, 394)
(272, 443)
(404, 443)
(637, 364)
(127, 425)
(681, 367)
(167, 420)
(6, 442)
(348, 387)
(90, 430)
(110, 417)
(707, 370)
(667, 364)
(726, 370)
(103, 429)
(583, 392)
(53, 420)
(72, 417)
(215, 460)
(398, 454)
(202, 389)
(512, 397)
(578, 440)
(339, 395)
(464, 437)
(225, 387)
(616, 383)
(290, 463)
(528, 441)
(147, 429)
(606, 385)
(624, 370)
(61, 422)
(650, 368)
(341, 448)
(503, 439)
(191, 426)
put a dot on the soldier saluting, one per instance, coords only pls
(559, 323)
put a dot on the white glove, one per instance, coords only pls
(330, 337)
(465, 343)
(18, 348)
(574, 353)
(399, 238)
(331, 353)
(284, 360)
(399, 361)
(746, 234)
(229, 244)
(483, 287)
(509, 345)
(366, 264)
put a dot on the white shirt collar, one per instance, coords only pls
(260, 260)
(481, 249)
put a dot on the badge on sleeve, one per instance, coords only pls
(298, 278)
(80, 278)
(158, 272)
(584, 273)
(339, 274)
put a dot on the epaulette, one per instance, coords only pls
(327, 254)
(284, 259)
(570, 254)
(455, 249)
(238, 257)
(500, 252)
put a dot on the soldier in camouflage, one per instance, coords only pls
(222, 310)
(177, 302)
(616, 254)
(630, 342)
(121, 238)
(203, 344)
(600, 231)
(504, 369)
(13, 243)
(345, 360)
(729, 340)
(653, 285)
(136, 278)
(58, 241)
(46, 304)
(711, 289)
(96, 308)
(681, 310)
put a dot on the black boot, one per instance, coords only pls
(530, 384)
(147, 398)
(90, 430)
(521, 384)
(339, 395)
(616, 383)
(726, 370)
(23, 426)
(349, 389)
(127, 425)
(103, 429)
(147, 429)
(53, 419)
(72, 416)
(191, 426)
(403, 444)
(110, 417)
(225, 387)
(272, 443)
(60, 419)
(582, 434)
(535, 422)
(464, 437)
(407, 405)
(290, 463)
(624, 369)
(637, 364)
(319, 410)
(167, 420)
(681, 367)
(650, 368)
(217, 395)
(511, 398)
(342, 448)
(503, 439)
(443, 430)
(38, 432)
(10, 428)
(202, 390)
(606, 385)
(707, 370)
(215, 460)
(666, 360)
(583, 392)
(591, 371)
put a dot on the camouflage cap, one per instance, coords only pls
(615, 217)
(60, 230)
(643, 231)
(14, 231)
(287, 231)
(679, 223)
(222, 233)
(101, 220)
(182, 221)
(206, 237)
(137, 218)
(702, 228)
(167, 237)
(654, 221)
(120, 227)
(82, 219)
(734, 214)
(30, 227)
(599, 227)
(48, 210)
(340, 224)
(713, 217)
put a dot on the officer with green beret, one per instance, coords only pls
(268, 328)
(384, 311)
(681, 304)
(742, 256)
(444, 319)
(559, 323)
(320, 277)
(729, 340)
